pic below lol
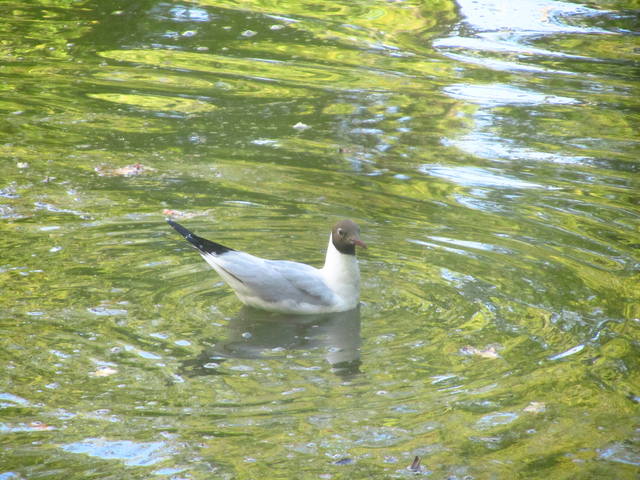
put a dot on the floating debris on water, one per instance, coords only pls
(180, 214)
(415, 465)
(535, 407)
(301, 126)
(126, 171)
(103, 371)
(489, 352)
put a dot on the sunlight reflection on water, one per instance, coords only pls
(477, 177)
(497, 94)
(136, 454)
(530, 16)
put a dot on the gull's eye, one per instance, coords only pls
(341, 232)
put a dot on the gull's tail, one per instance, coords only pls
(203, 245)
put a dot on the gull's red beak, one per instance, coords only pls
(360, 243)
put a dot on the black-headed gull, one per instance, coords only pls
(289, 287)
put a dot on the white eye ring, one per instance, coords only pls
(340, 232)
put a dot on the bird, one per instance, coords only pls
(285, 286)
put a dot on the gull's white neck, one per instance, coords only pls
(342, 275)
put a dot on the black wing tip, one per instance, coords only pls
(178, 228)
(202, 244)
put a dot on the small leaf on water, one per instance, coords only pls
(103, 372)
(126, 171)
(180, 214)
(535, 407)
(489, 352)
(301, 126)
(37, 425)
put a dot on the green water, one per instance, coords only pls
(489, 151)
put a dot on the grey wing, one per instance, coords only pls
(274, 280)
(305, 280)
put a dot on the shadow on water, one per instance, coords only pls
(254, 334)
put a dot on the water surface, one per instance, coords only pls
(489, 151)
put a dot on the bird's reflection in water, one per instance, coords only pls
(256, 334)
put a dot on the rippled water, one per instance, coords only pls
(489, 151)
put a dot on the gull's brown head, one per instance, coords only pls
(346, 236)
